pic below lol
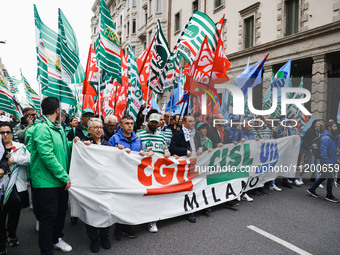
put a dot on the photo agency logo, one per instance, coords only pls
(240, 100)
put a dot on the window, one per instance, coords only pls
(146, 18)
(218, 3)
(150, 36)
(292, 16)
(134, 2)
(177, 22)
(150, 7)
(195, 5)
(95, 30)
(133, 48)
(121, 20)
(144, 46)
(134, 26)
(159, 5)
(128, 27)
(128, 3)
(249, 32)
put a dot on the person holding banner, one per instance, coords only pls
(183, 143)
(15, 181)
(153, 142)
(96, 136)
(125, 137)
(50, 161)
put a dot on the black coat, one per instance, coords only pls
(4, 160)
(79, 133)
(215, 138)
(179, 146)
(103, 141)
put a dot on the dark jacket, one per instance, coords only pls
(119, 139)
(107, 136)
(215, 138)
(179, 146)
(79, 132)
(103, 141)
(309, 136)
(3, 159)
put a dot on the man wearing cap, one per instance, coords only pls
(81, 130)
(153, 142)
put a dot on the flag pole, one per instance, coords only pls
(147, 94)
(98, 90)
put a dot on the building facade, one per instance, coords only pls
(305, 31)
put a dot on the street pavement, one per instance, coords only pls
(311, 224)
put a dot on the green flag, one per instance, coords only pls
(32, 97)
(50, 70)
(160, 55)
(134, 93)
(107, 45)
(13, 84)
(6, 101)
(70, 51)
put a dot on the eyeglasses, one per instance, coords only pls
(5, 132)
(97, 128)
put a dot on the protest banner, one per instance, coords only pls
(110, 185)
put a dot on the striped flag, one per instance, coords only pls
(198, 27)
(32, 97)
(6, 101)
(13, 84)
(134, 93)
(107, 45)
(160, 54)
(188, 45)
(70, 51)
(49, 74)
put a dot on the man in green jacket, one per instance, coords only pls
(50, 160)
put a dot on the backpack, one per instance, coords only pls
(316, 147)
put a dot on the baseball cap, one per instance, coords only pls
(154, 117)
(87, 110)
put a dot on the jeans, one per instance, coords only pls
(330, 182)
(50, 206)
(312, 160)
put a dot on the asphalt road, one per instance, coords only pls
(311, 224)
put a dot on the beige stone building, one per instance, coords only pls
(305, 31)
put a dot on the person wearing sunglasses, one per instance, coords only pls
(15, 186)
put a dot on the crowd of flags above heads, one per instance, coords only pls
(114, 83)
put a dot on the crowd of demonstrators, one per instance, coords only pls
(45, 147)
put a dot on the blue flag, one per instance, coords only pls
(248, 77)
(154, 105)
(308, 125)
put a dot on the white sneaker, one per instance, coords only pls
(238, 198)
(297, 183)
(63, 246)
(274, 187)
(247, 198)
(37, 226)
(153, 227)
(321, 186)
(301, 181)
(289, 181)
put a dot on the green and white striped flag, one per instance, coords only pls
(198, 27)
(134, 93)
(6, 101)
(107, 45)
(13, 84)
(32, 97)
(49, 63)
(70, 51)
(160, 54)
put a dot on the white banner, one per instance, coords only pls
(110, 185)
